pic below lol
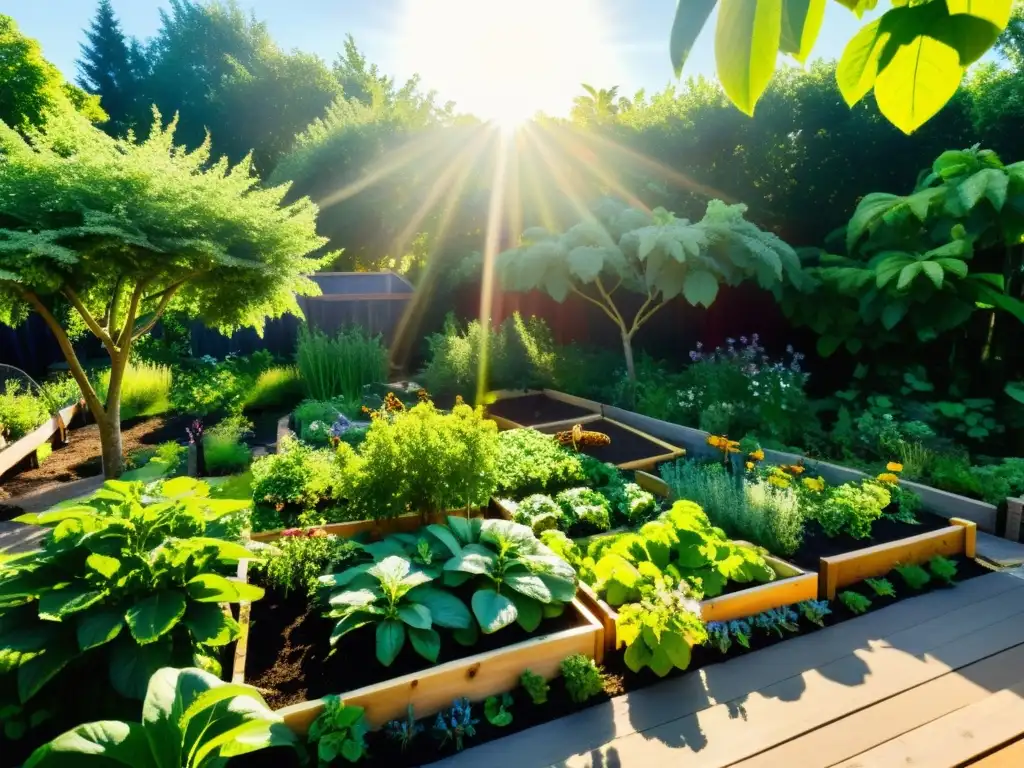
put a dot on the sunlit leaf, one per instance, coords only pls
(746, 46)
(858, 66)
(690, 18)
(917, 82)
(801, 22)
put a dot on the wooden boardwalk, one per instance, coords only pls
(935, 681)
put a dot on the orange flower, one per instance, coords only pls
(894, 466)
(757, 455)
(888, 477)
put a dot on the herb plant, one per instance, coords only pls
(497, 710)
(914, 575)
(815, 611)
(532, 462)
(943, 569)
(403, 732)
(224, 447)
(881, 587)
(854, 601)
(582, 677)
(539, 512)
(722, 633)
(851, 508)
(189, 719)
(295, 478)
(455, 724)
(635, 505)
(338, 731)
(297, 560)
(777, 620)
(536, 686)
(659, 630)
(399, 601)
(584, 511)
(127, 584)
(341, 365)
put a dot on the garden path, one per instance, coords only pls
(935, 681)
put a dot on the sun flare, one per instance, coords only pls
(507, 61)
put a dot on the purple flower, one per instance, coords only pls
(693, 356)
(743, 340)
(195, 432)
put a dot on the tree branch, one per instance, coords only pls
(91, 398)
(173, 287)
(125, 337)
(597, 303)
(639, 321)
(110, 316)
(90, 321)
(158, 312)
(607, 297)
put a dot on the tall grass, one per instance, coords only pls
(223, 445)
(145, 391)
(20, 412)
(275, 387)
(341, 365)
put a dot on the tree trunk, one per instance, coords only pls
(110, 441)
(627, 350)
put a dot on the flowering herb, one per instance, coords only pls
(455, 724)
(404, 731)
(778, 619)
(815, 611)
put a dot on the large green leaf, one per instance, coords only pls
(210, 625)
(988, 182)
(586, 262)
(474, 558)
(934, 272)
(169, 694)
(801, 22)
(390, 639)
(676, 648)
(700, 288)
(426, 642)
(417, 616)
(637, 655)
(446, 610)
(870, 209)
(691, 16)
(103, 565)
(858, 66)
(214, 588)
(55, 605)
(1015, 389)
(908, 274)
(98, 628)
(529, 612)
(493, 611)
(104, 743)
(746, 45)
(529, 584)
(39, 670)
(155, 616)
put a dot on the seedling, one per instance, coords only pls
(855, 601)
(404, 731)
(881, 587)
(536, 686)
(914, 575)
(815, 611)
(497, 710)
(943, 569)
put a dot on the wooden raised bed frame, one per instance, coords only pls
(27, 444)
(377, 529)
(509, 394)
(431, 690)
(851, 567)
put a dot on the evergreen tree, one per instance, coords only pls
(108, 69)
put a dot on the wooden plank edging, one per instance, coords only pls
(872, 562)
(27, 444)
(376, 529)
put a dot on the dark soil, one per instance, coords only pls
(817, 544)
(289, 655)
(626, 446)
(619, 680)
(530, 410)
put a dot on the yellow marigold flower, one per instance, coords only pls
(750, 465)
(816, 484)
(888, 477)
(715, 441)
(779, 482)
(894, 466)
(757, 455)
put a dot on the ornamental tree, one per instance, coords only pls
(654, 254)
(108, 234)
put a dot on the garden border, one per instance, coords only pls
(511, 394)
(938, 502)
(376, 528)
(837, 571)
(27, 444)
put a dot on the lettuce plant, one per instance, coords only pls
(127, 584)
(584, 511)
(536, 686)
(539, 512)
(338, 731)
(189, 719)
(660, 629)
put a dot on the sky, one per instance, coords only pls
(489, 56)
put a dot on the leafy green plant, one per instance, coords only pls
(497, 710)
(881, 587)
(342, 365)
(659, 630)
(398, 601)
(634, 505)
(404, 732)
(533, 462)
(721, 634)
(773, 517)
(171, 454)
(973, 418)
(815, 611)
(854, 601)
(145, 389)
(295, 478)
(300, 557)
(914, 575)
(189, 719)
(124, 583)
(338, 731)
(223, 447)
(584, 511)
(536, 686)
(777, 620)
(998, 482)
(656, 255)
(851, 508)
(515, 577)
(455, 724)
(539, 512)
(943, 569)
(274, 388)
(582, 677)
(20, 412)
(208, 386)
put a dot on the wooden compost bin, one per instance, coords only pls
(429, 691)
(793, 586)
(849, 568)
(577, 409)
(27, 444)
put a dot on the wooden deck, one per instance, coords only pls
(935, 681)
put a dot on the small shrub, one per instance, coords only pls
(774, 517)
(274, 388)
(145, 390)
(536, 686)
(851, 508)
(300, 557)
(339, 731)
(539, 512)
(455, 724)
(855, 601)
(943, 569)
(295, 478)
(532, 462)
(223, 446)
(584, 511)
(497, 710)
(340, 366)
(60, 392)
(43, 452)
(207, 386)
(583, 678)
(20, 412)
(998, 482)
(915, 576)
(881, 587)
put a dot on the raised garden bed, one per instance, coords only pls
(373, 530)
(513, 410)
(20, 449)
(629, 448)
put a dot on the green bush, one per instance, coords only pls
(223, 447)
(20, 412)
(314, 419)
(294, 479)
(532, 462)
(60, 392)
(145, 390)
(274, 388)
(998, 482)
(851, 508)
(584, 511)
(300, 557)
(520, 355)
(342, 365)
(582, 677)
